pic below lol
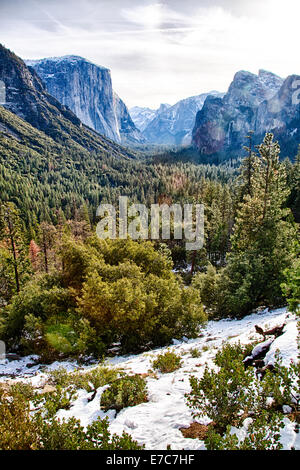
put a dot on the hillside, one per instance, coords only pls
(27, 98)
(42, 174)
(165, 419)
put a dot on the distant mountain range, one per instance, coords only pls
(143, 116)
(87, 90)
(170, 125)
(259, 103)
(71, 98)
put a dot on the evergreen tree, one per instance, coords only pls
(263, 243)
(12, 235)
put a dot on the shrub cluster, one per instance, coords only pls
(107, 291)
(20, 430)
(231, 393)
(167, 362)
(123, 392)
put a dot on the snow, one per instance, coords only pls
(287, 344)
(157, 423)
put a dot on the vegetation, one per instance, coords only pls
(167, 362)
(22, 430)
(232, 395)
(123, 392)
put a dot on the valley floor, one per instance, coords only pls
(157, 423)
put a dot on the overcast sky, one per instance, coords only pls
(159, 51)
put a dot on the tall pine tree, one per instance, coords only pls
(264, 238)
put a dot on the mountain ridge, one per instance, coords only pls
(259, 103)
(86, 89)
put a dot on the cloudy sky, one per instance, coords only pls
(159, 51)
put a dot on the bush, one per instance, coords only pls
(70, 435)
(22, 430)
(207, 283)
(231, 352)
(222, 395)
(263, 433)
(195, 353)
(231, 394)
(167, 362)
(123, 392)
(90, 380)
(108, 291)
(291, 287)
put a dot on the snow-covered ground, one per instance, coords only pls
(157, 423)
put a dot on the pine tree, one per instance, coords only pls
(12, 234)
(263, 242)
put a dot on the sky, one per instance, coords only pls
(159, 51)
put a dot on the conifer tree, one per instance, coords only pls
(264, 238)
(12, 234)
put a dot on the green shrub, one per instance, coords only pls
(167, 362)
(207, 283)
(22, 430)
(291, 287)
(123, 392)
(89, 380)
(232, 393)
(263, 433)
(98, 377)
(51, 402)
(195, 353)
(231, 352)
(70, 435)
(222, 395)
(282, 385)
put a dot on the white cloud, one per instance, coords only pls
(160, 51)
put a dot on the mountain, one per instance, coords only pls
(281, 115)
(172, 125)
(27, 98)
(86, 89)
(142, 116)
(49, 160)
(260, 103)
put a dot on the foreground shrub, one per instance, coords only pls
(123, 392)
(222, 395)
(70, 435)
(263, 433)
(195, 353)
(22, 430)
(291, 286)
(230, 394)
(108, 291)
(167, 362)
(89, 380)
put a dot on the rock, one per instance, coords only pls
(86, 89)
(12, 357)
(142, 116)
(258, 352)
(172, 125)
(27, 98)
(261, 103)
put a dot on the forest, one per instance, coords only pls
(66, 295)
(65, 292)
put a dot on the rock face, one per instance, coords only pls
(281, 115)
(260, 103)
(26, 97)
(142, 116)
(87, 90)
(173, 125)
(25, 94)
